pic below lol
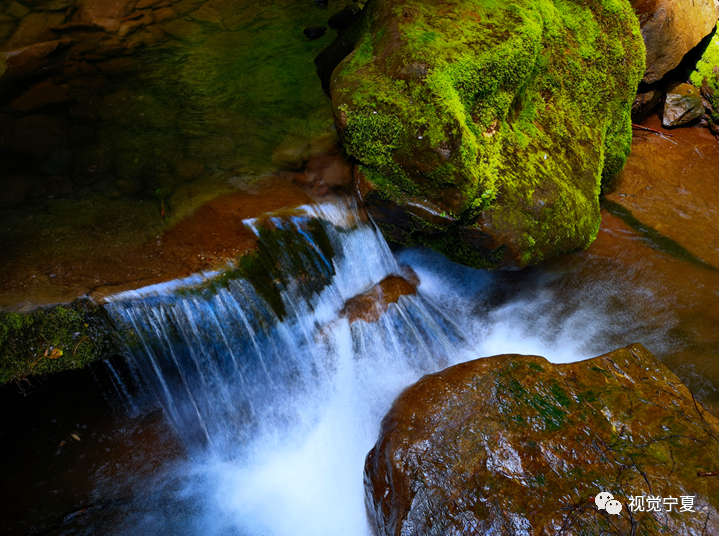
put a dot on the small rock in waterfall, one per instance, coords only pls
(314, 32)
(682, 105)
(370, 305)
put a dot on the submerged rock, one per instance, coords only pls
(682, 105)
(670, 29)
(502, 119)
(516, 445)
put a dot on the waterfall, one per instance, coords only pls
(262, 351)
(278, 396)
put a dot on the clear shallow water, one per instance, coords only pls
(279, 415)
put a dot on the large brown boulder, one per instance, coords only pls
(516, 445)
(670, 29)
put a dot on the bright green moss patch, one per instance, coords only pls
(505, 114)
(52, 339)
(707, 73)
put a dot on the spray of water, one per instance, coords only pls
(279, 403)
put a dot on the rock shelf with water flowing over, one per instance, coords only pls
(225, 365)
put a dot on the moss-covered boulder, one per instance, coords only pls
(516, 445)
(483, 128)
(52, 339)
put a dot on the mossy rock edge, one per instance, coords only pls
(53, 339)
(499, 119)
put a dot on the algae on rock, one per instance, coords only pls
(53, 339)
(484, 128)
(706, 75)
(517, 445)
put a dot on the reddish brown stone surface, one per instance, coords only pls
(516, 445)
(670, 184)
(106, 256)
(370, 305)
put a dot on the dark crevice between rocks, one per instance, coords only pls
(657, 240)
(339, 49)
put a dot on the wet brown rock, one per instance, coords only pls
(645, 103)
(34, 28)
(40, 96)
(26, 61)
(165, 14)
(516, 445)
(682, 105)
(670, 29)
(129, 26)
(14, 190)
(372, 304)
(670, 186)
(107, 24)
(103, 9)
(17, 10)
(54, 5)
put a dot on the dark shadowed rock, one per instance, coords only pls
(314, 32)
(343, 18)
(682, 105)
(38, 135)
(516, 445)
(670, 29)
(40, 96)
(645, 103)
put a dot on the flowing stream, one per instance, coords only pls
(278, 397)
(283, 411)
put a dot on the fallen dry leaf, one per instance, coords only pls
(54, 353)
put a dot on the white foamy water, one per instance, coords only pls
(279, 414)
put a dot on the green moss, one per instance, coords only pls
(707, 72)
(52, 339)
(497, 100)
(279, 260)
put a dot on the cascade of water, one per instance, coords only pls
(262, 354)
